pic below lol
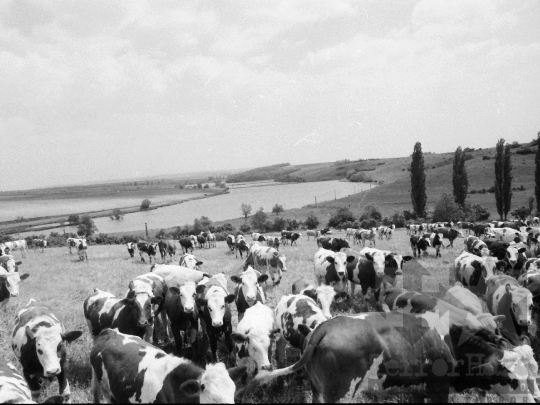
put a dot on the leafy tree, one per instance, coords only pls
(279, 224)
(87, 227)
(246, 210)
(342, 215)
(118, 213)
(312, 222)
(503, 179)
(206, 186)
(258, 221)
(418, 181)
(537, 174)
(446, 209)
(145, 204)
(245, 228)
(521, 212)
(531, 205)
(199, 185)
(459, 178)
(161, 233)
(278, 209)
(73, 219)
(371, 211)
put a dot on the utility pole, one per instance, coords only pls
(315, 202)
(334, 195)
(146, 226)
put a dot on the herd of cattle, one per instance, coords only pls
(411, 339)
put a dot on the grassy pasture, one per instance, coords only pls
(60, 280)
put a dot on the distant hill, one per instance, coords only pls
(393, 178)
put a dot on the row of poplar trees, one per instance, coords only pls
(503, 178)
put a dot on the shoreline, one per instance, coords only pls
(54, 219)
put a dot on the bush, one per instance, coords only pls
(279, 224)
(206, 186)
(245, 228)
(398, 219)
(258, 220)
(486, 157)
(368, 223)
(312, 222)
(371, 211)
(277, 209)
(409, 215)
(343, 214)
(87, 227)
(199, 185)
(446, 209)
(145, 204)
(117, 214)
(525, 151)
(73, 219)
(489, 190)
(521, 212)
(161, 234)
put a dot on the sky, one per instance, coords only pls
(94, 90)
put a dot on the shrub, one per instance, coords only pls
(521, 212)
(87, 227)
(312, 222)
(161, 234)
(73, 219)
(199, 185)
(117, 213)
(206, 186)
(486, 157)
(371, 211)
(398, 219)
(368, 223)
(446, 209)
(279, 224)
(409, 215)
(245, 228)
(526, 151)
(145, 204)
(490, 190)
(258, 220)
(292, 224)
(343, 214)
(277, 209)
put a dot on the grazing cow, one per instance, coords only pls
(128, 369)
(416, 228)
(273, 241)
(38, 342)
(213, 301)
(254, 337)
(286, 236)
(374, 268)
(450, 234)
(420, 244)
(40, 244)
(474, 272)
(292, 311)
(186, 244)
(167, 247)
(349, 233)
(376, 351)
(248, 290)
(231, 241)
(9, 285)
(435, 240)
(3, 250)
(331, 268)
(202, 241)
(480, 229)
(257, 237)
(241, 246)
(464, 299)
(182, 312)
(357, 237)
(131, 248)
(268, 260)
(17, 245)
(8, 263)
(190, 261)
(72, 243)
(334, 244)
(466, 226)
(475, 245)
(132, 315)
(82, 248)
(149, 248)
(506, 297)
(211, 239)
(368, 235)
(314, 233)
(384, 231)
(325, 295)
(325, 231)
(509, 235)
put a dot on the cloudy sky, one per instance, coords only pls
(100, 89)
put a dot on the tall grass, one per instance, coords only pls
(61, 281)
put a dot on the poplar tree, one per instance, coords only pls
(459, 178)
(537, 173)
(418, 181)
(503, 179)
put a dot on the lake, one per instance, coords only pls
(226, 206)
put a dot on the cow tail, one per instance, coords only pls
(314, 338)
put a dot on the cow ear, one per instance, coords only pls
(476, 264)
(71, 336)
(191, 388)
(236, 279)
(19, 262)
(131, 285)
(341, 296)
(262, 278)
(350, 259)
(238, 374)
(174, 290)
(330, 259)
(272, 334)
(206, 275)
(239, 338)
(25, 276)
(156, 299)
(304, 329)
(230, 298)
(200, 288)
(508, 288)
(522, 250)
(201, 302)
(369, 257)
(29, 333)
(311, 294)
(407, 258)
(199, 263)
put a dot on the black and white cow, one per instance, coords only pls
(126, 369)
(131, 248)
(9, 285)
(202, 241)
(149, 248)
(473, 271)
(167, 247)
(450, 234)
(8, 263)
(248, 290)
(72, 243)
(186, 244)
(267, 260)
(273, 241)
(82, 248)
(190, 261)
(334, 244)
(38, 342)
(372, 352)
(241, 246)
(419, 243)
(40, 244)
(231, 242)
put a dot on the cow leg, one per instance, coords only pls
(212, 337)
(178, 341)
(280, 351)
(63, 385)
(33, 384)
(95, 388)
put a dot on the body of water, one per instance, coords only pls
(226, 206)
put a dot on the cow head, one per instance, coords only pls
(11, 282)
(521, 304)
(393, 263)
(218, 385)
(488, 266)
(190, 261)
(254, 344)
(131, 249)
(47, 340)
(187, 294)
(512, 255)
(216, 300)
(378, 259)
(8, 262)
(278, 260)
(249, 281)
(326, 296)
(141, 296)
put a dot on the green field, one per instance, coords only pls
(60, 280)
